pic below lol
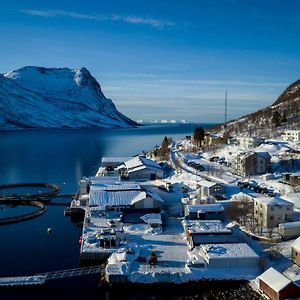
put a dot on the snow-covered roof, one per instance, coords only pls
(152, 219)
(296, 243)
(139, 163)
(104, 180)
(203, 208)
(110, 159)
(115, 186)
(228, 250)
(115, 198)
(274, 201)
(208, 184)
(265, 155)
(205, 226)
(275, 279)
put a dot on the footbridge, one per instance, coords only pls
(43, 278)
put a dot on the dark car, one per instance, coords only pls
(220, 197)
(214, 158)
(200, 168)
(162, 187)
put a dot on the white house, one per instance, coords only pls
(291, 135)
(272, 211)
(249, 142)
(141, 168)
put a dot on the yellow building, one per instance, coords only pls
(296, 252)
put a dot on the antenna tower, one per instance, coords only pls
(225, 108)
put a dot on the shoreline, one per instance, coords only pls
(203, 289)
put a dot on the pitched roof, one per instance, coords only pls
(208, 184)
(275, 279)
(115, 198)
(140, 163)
(110, 159)
(264, 154)
(203, 208)
(152, 219)
(274, 201)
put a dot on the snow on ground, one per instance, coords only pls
(294, 198)
(175, 261)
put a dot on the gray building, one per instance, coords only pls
(251, 163)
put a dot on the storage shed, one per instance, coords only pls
(289, 230)
(276, 286)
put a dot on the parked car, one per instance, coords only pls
(214, 158)
(162, 187)
(200, 168)
(220, 197)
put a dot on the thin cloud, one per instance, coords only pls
(156, 23)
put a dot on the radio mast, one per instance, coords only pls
(225, 108)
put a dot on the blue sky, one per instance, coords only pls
(163, 59)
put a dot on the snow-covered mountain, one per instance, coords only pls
(35, 97)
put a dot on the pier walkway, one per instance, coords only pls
(41, 279)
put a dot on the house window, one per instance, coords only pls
(272, 208)
(288, 208)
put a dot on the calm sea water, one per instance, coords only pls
(61, 157)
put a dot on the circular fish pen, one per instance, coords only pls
(54, 189)
(37, 200)
(41, 208)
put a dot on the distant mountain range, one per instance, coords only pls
(283, 114)
(36, 97)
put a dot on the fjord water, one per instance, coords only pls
(61, 157)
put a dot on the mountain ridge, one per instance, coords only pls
(261, 122)
(38, 97)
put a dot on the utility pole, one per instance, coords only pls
(225, 114)
(225, 107)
